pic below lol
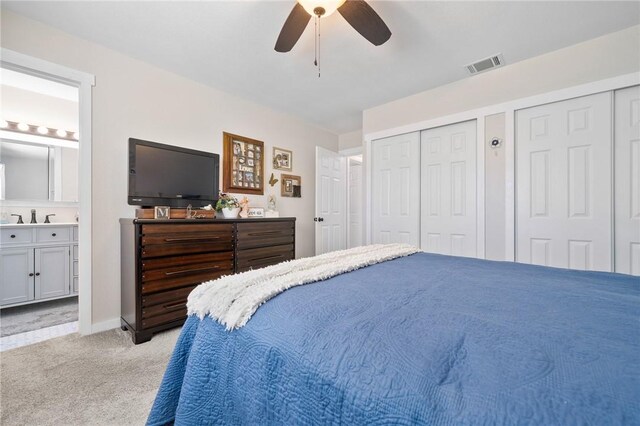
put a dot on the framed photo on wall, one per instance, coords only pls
(291, 186)
(242, 165)
(282, 159)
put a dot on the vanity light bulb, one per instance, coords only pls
(23, 126)
(4, 124)
(73, 135)
(61, 133)
(43, 130)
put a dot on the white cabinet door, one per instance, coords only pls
(627, 180)
(52, 272)
(395, 183)
(16, 284)
(448, 190)
(331, 201)
(563, 184)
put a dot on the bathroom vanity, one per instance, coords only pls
(38, 262)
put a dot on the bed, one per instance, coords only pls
(421, 339)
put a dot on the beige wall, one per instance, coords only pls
(350, 140)
(39, 109)
(603, 57)
(134, 99)
(494, 180)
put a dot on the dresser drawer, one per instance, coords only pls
(165, 307)
(167, 240)
(265, 234)
(53, 234)
(178, 312)
(158, 275)
(166, 299)
(261, 257)
(16, 236)
(182, 229)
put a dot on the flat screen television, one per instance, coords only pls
(166, 175)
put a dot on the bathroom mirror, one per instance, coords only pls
(37, 172)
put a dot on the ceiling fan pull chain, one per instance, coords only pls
(319, 46)
(315, 42)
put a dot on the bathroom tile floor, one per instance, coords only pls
(35, 336)
(20, 319)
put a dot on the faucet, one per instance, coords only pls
(46, 218)
(33, 216)
(19, 218)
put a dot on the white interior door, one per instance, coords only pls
(395, 183)
(448, 189)
(355, 201)
(331, 201)
(563, 184)
(627, 180)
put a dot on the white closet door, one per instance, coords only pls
(355, 202)
(448, 194)
(563, 184)
(627, 180)
(395, 166)
(331, 201)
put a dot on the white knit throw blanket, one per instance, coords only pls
(232, 300)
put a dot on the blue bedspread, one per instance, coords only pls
(425, 339)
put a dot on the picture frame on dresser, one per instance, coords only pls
(242, 164)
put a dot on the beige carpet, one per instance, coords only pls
(102, 379)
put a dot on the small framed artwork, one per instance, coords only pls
(242, 168)
(162, 212)
(282, 159)
(255, 212)
(291, 186)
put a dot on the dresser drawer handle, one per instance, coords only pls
(176, 240)
(190, 271)
(13, 235)
(267, 258)
(259, 234)
(174, 305)
(53, 235)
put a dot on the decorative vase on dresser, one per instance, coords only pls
(164, 260)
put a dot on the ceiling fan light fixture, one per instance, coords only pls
(329, 6)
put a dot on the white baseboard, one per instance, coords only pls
(105, 325)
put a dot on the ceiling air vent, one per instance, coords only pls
(486, 64)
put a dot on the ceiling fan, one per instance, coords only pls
(356, 12)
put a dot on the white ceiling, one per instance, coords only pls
(229, 45)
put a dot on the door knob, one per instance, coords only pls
(37, 274)
(31, 274)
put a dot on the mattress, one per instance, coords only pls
(424, 339)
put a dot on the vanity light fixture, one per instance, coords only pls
(32, 129)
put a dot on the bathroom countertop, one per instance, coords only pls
(23, 225)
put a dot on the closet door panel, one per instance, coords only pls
(627, 181)
(396, 189)
(563, 184)
(448, 189)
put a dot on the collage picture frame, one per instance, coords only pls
(243, 165)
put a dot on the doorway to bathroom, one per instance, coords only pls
(41, 198)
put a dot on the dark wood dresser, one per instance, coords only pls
(163, 260)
